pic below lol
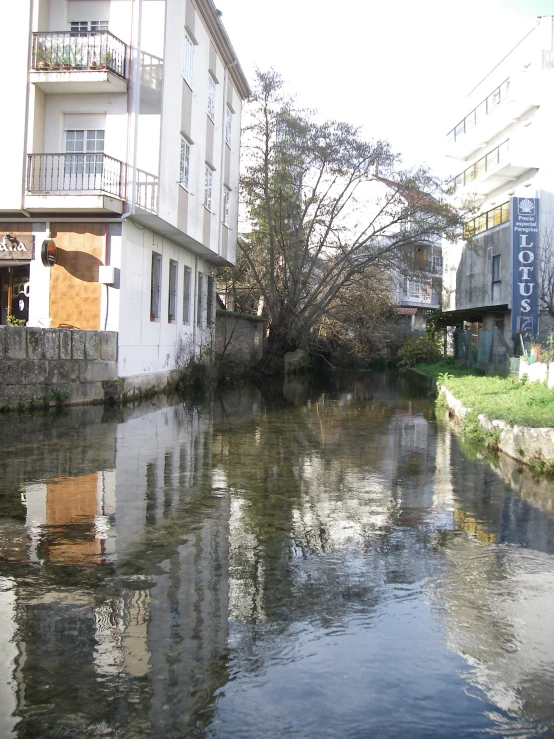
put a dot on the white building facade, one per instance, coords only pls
(505, 172)
(122, 148)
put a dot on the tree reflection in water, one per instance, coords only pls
(315, 559)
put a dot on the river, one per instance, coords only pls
(319, 558)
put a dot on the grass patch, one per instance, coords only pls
(525, 404)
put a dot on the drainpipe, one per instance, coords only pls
(222, 163)
(195, 293)
(134, 103)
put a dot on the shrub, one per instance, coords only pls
(420, 350)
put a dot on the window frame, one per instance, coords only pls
(187, 281)
(155, 287)
(210, 300)
(87, 161)
(172, 291)
(225, 208)
(496, 268)
(200, 300)
(208, 187)
(211, 98)
(228, 126)
(184, 163)
(188, 60)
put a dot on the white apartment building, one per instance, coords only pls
(505, 168)
(120, 155)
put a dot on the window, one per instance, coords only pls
(228, 126)
(496, 268)
(437, 264)
(210, 312)
(208, 188)
(155, 286)
(172, 296)
(77, 162)
(188, 60)
(211, 97)
(200, 299)
(184, 166)
(226, 196)
(186, 295)
(78, 27)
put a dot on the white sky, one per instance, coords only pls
(398, 68)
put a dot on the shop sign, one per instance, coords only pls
(49, 253)
(525, 243)
(17, 248)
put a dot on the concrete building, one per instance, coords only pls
(121, 155)
(418, 289)
(505, 173)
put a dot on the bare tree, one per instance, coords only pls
(546, 272)
(325, 208)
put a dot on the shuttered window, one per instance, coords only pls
(88, 10)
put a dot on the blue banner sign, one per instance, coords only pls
(525, 244)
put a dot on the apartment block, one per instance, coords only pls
(505, 177)
(121, 160)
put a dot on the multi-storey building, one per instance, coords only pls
(418, 286)
(121, 163)
(492, 277)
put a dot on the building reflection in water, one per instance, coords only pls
(145, 551)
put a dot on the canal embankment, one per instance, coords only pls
(515, 417)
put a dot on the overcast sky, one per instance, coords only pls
(398, 68)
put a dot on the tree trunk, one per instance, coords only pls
(279, 342)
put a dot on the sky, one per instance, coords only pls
(399, 69)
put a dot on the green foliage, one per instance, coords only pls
(443, 377)
(542, 466)
(59, 396)
(529, 404)
(476, 434)
(195, 380)
(13, 321)
(419, 350)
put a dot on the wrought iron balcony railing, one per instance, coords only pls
(71, 51)
(76, 173)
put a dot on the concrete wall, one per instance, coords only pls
(41, 365)
(241, 339)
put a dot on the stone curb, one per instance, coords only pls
(536, 443)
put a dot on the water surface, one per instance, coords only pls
(315, 559)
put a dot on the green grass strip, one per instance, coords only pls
(525, 404)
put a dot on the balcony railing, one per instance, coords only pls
(76, 173)
(478, 113)
(147, 191)
(485, 164)
(490, 219)
(73, 51)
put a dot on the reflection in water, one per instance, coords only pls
(317, 560)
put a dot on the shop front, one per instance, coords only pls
(16, 253)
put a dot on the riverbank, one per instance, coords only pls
(500, 413)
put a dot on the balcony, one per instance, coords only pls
(506, 104)
(501, 166)
(79, 62)
(416, 292)
(75, 182)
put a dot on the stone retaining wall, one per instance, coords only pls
(45, 366)
(239, 336)
(525, 444)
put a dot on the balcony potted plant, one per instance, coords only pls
(106, 59)
(42, 57)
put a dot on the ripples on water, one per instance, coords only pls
(315, 560)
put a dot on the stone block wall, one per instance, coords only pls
(239, 336)
(49, 365)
